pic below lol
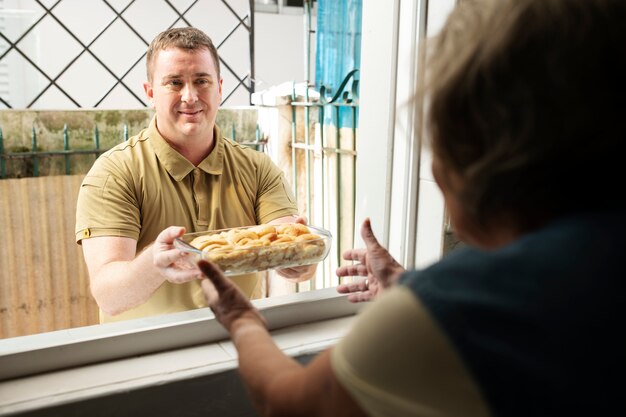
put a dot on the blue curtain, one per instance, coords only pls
(338, 49)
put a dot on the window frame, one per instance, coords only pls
(384, 24)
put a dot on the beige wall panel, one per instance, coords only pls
(44, 284)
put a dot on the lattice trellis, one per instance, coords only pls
(98, 53)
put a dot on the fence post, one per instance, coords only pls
(96, 139)
(35, 157)
(66, 147)
(3, 167)
(125, 132)
(257, 138)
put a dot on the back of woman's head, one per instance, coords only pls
(527, 99)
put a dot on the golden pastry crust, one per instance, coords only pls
(263, 229)
(202, 242)
(261, 247)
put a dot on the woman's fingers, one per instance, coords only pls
(353, 287)
(352, 270)
(355, 255)
(215, 275)
(210, 292)
(359, 297)
(368, 235)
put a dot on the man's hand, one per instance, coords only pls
(170, 261)
(231, 308)
(375, 263)
(297, 273)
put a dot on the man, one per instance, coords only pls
(179, 171)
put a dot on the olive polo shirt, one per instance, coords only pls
(142, 186)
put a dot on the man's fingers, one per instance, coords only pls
(301, 220)
(182, 275)
(214, 274)
(168, 235)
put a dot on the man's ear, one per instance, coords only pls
(147, 87)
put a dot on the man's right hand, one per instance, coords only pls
(120, 279)
(376, 264)
(170, 261)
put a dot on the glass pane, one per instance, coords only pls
(161, 17)
(17, 16)
(78, 82)
(119, 60)
(85, 19)
(50, 47)
(24, 81)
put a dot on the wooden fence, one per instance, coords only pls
(44, 285)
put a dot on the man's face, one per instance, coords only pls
(185, 92)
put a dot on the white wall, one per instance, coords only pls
(280, 49)
(279, 44)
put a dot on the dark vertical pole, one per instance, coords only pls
(3, 167)
(35, 158)
(96, 140)
(66, 148)
(96, 137)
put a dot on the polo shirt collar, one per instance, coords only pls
(177, 165)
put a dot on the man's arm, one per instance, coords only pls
(120, 280)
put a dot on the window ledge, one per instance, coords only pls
(97, 380)
(28, 355)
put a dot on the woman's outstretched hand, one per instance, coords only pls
(227, 302)
(375, 263)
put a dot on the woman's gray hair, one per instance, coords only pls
(526, 102)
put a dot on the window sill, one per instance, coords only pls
(156, 350)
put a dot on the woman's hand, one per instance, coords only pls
(231, 308)
(376, 264)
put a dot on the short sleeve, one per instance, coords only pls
(396, 361)
(274, 198)
(107, 206)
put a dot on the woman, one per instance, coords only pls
(526, 97)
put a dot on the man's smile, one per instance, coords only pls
(189, 112)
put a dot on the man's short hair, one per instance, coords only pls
(185, 38)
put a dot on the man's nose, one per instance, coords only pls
(189, 94)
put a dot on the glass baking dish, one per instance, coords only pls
(243, 250)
